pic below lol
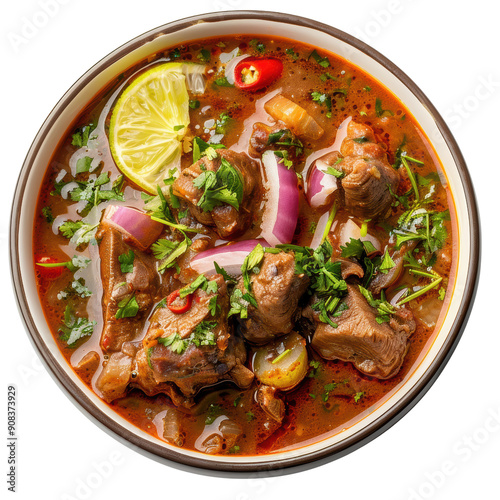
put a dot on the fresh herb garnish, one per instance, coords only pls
(126, 261)
(291, 52)
(208, 286)
(322, 61)
(223, 186)
(194, 103)
(47, 213)
(379, 111)
(222, 82)
(213, 412)
(204, 55)
(84, 165)
(200, 147)
(358, 396)
(81, 136)
(77, 262)
(384, 308)
(127, 308)
(75, 328)
(78, 232)
(258, 46)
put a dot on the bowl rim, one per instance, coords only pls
(274, 466)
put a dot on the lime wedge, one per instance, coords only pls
(149, 121)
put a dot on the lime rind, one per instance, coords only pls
(149, 121)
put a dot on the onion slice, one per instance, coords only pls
(351, 230)
(296, 118)
(321, 185)
(229, 257)
(136, 226)
(281, 210)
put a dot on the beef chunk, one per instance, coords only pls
(270, 403)
(368, 174)
(277, 290)
(180, 372)
(142, 283)
(87, 366)
(227, 221)
(374, 349)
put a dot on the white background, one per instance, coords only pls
(450, 49)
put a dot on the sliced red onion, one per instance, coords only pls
(281, 209)
(351, 230)
(318, 180)
(135, 225)
(230, 257)
(321, 185)
(398, 296)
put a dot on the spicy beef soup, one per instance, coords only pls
(243, 244)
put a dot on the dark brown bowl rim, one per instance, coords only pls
(273, 466)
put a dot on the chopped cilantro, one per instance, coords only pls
(126, 261)
(213, 412)
(291, 52)
(222, 82)
(81, 135)
(250, 416)
(322, 61)
(379, 111)
(194, 103)
(47, 213)
(223, 186)
(387, 263)
(84, 165)
(127, 307)
(258, 46)
(358, 396)
(75, 328)
(204, 55)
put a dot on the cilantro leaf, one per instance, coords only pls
(75, 328)
(127, 308)
(223, 186)
(81, 135)
(126, 261)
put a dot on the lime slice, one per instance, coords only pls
(149, 121)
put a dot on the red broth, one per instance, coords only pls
(334, 394)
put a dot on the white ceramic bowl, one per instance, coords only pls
(384, 413)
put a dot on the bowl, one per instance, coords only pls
(421, 376)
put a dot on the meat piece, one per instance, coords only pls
(374, 349)
(142, 283)
(277, 290)
(349, 268)
(368, 174)
(228, 221)
(87, 366)
(270, 403)
(385, 280)
(210, 353)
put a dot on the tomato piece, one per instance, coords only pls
(255, 73)
(50, 267)
(175, 304)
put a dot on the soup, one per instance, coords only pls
(243, 244)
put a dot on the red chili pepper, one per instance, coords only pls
(182, 308)
(254, 73)
(50, 267)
